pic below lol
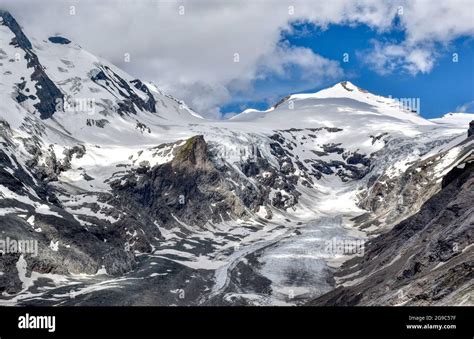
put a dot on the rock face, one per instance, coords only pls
(80, 252)
(188, 189)
(105, 77)
(392, 198)
(470, 132)
(46, 91)
(10, 22)
(423, 260)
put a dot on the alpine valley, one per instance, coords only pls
(133, 198)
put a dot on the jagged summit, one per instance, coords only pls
(77, 91)
(349, 86)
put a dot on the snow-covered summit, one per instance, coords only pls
(457, 119)
(76, 93)
(342, 102)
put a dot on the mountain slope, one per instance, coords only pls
(425, 260)
(336, 104)
(456, 119)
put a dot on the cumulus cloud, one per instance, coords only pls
(440, 21)
(190, 51)
(429, 26)
(385, 58)
(310, 64)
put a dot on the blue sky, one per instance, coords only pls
(445, 88)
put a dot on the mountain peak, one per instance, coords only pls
(346, 85)
(341, 99)
(349, 86)
(341, 89)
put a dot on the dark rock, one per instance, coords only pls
(357, 158)
(99, 76)
(46, 91)
(59, 40)
(150, 105)
(183, 188)
(105, 76)
(281, 101)
(21, 39)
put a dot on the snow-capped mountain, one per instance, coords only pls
(123, 185)
(335, 104)
(458, 119)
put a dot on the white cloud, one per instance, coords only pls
(429, 26)
(386, 58)
(192, 56)
(440, 21)
(466, 108)
(310, 64)
(419, 60)
(203, 96)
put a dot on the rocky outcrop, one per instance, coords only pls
(188, 190)
(391, 197)
(150, 104)
(470, 131)
(51, 166)
(104, 76)
(46, 91)
(64, 245)
(425, 260)
(59, 40)
(10, 22)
